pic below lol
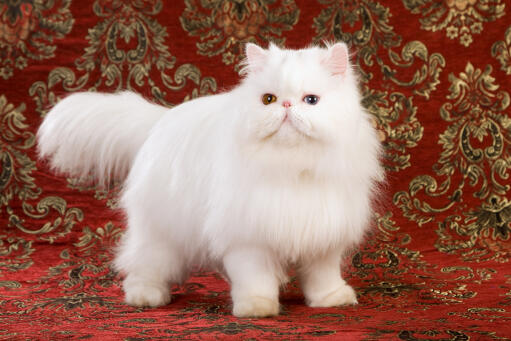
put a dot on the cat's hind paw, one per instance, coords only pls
(344, 295)
(255, 306)
(147, 296)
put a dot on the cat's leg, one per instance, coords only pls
(322, 283)
(150, 264)
(255, 278)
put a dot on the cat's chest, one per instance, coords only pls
(296, 201)
(302, 218)
(290, 219)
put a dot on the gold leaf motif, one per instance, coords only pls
(88, 263)
(16, 180)
(475, 159)
(488, 314)
(52, 229)
(127, 48)
(459, 18)
(383, 263)
(450, 335)
(502, 51)
(108, 235)
(10, 284)
(427, 76)
(373, 18)
(387, 256)
(77, 301)
(15, 254)
(467, 273)
(28, 30)
(225, 26)
(15, 165)
(110, 194)
(460, 292)
(397, 121)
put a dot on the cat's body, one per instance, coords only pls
(243, 182)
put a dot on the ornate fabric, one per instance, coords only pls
(436, 76)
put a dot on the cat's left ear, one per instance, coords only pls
(256, 57)
(337, 59)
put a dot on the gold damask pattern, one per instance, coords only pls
(127, 49)
(18, 184)
(28, 29)
(16, 252)
(224, 26)
(475, 162)
(15, 164)
(502, 51)
(460, 19)
(388, 253)
(92, 253)
(51, 230)
(110, 194)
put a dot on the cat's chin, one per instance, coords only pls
(287, 135)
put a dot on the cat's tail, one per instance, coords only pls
(93, 134)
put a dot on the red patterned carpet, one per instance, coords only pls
(436, 75)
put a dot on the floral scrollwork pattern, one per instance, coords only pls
(96, 246)
(53, 229)
(460, 19)
(15, 165)
(127, 49)
(502, 51)
(17, 253)
(224, 26)
(475, 160)
(28, 29)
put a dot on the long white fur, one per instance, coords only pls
(96, 134)
(227, 181)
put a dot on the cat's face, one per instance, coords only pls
(299, 97)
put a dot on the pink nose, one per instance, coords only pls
(286, 104)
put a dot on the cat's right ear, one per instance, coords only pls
(256, 57)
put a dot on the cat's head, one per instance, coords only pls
(297, 97)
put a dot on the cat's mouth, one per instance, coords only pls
(288, 128)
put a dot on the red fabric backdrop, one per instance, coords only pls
(436, 77)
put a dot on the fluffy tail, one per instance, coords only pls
(97, 134)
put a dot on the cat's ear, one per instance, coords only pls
(256, 57)
(337, 59)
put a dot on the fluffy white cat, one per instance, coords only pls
(279, 171)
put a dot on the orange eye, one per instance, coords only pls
(269, 98)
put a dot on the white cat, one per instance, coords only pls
(280, 171)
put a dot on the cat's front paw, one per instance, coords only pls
(255, 306)
(344, 295)
(146, 295)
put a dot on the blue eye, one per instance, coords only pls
(311, 99)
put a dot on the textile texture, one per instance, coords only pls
(436, 76)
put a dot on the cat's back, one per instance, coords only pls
(197, 109)
(187, 138)
(192, 126)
